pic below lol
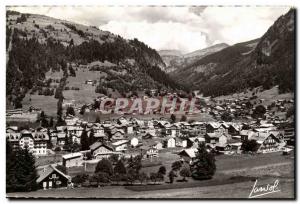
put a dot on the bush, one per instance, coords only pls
(185, 172)
(79, 179)
(102, 177)
(176, 165)
(172, 175)
(162, 170)
(142, 177)
(131, 175)
(104, 166)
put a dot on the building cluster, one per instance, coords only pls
(243, 108)
(133, 136)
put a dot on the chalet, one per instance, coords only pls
(100, 150)
(247, 134)
(222, 147)
(234, 129)
(199, 127)
(182, 142)
(151, 130)
(154, 143)
(173, 130)
(148, 136)
(170, 142)
(268, 143)
(61, 138)
(158, 145)
(51, 177)
(129, 130)
(134, 141)
(149, 152)
(100, 136)
(75, 130)
(73, 159)
(235, 145)
(120, 145)
(214, 138)
(195, 141)
(188, 155)
(214, 127)
(117, 134)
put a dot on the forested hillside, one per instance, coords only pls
(37, 44)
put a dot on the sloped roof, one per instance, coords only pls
(212, 135)
(191, 152)
(96, 145)
(120, 142)
(72, 155)
(226, 125)
(215, 125)
(49, 169)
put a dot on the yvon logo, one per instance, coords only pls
(265, 189)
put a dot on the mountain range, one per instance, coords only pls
(175, 60)
(268, 61)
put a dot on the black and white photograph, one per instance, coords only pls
(150, 102)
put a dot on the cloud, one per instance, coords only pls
(160, 35)
(184, 28)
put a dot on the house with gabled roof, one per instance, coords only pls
(215, 127)
(188, 155)
(214, 138)
(268, 142)
(149, 152)
(169, 142)
(101, 150)
(120, 145)
(51, 177)
(234, 129)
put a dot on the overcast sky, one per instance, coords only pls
(183, 28)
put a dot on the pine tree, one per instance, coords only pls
(97, 119)
(92, 138)
(135, 163)
(173, 118)
(204, 166)
(70, 111)
(84, 140)
(25, 171)
(51, 122)
(10, 168)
